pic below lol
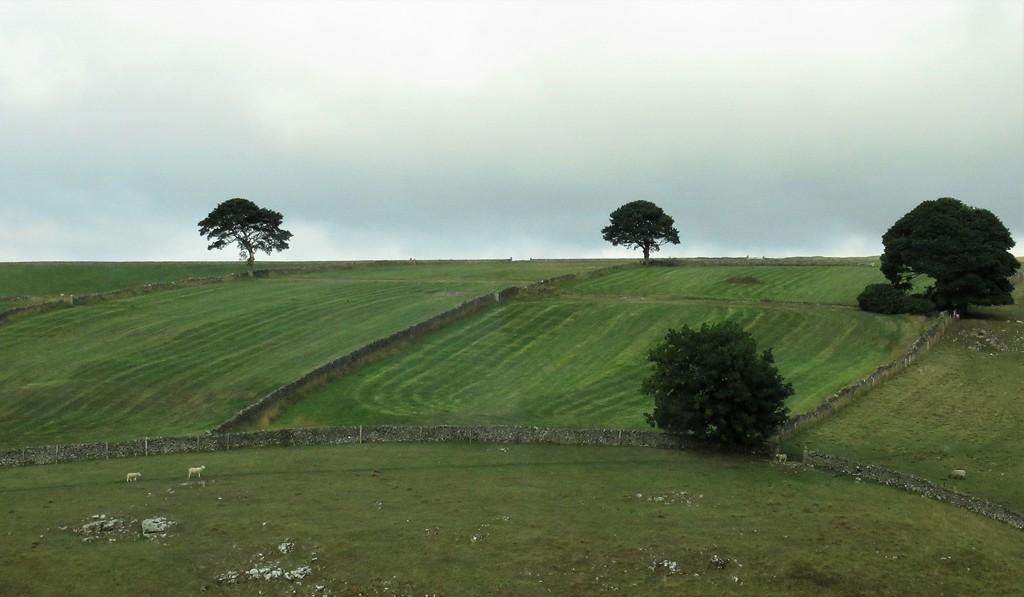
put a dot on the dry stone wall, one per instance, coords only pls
(501, 434)
(913, 484)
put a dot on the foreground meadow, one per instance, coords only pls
(421, 519)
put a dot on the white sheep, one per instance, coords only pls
(958, 474)
(780, 458)
(198, 470)
(133, 477)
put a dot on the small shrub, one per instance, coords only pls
(883, 298)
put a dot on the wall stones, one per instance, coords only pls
(339, 435)
(913, 484)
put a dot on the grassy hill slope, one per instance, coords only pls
(960, 406)
(576, 359)
(182, 361)
(576, 363)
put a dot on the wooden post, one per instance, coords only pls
(146, 446)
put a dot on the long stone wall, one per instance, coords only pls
(500, 434)
(913, 484)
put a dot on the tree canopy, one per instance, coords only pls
(251, 227)
(711, 384)
(641, 225)
(964, 250)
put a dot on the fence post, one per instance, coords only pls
(145, 445)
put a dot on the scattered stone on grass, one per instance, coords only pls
(1004, 339)
(102, 527)
(155, 528)
(672, 497)
(259, 569)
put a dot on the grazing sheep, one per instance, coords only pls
(133, 477)
(780, 458)
(958, 474)
(198, 470)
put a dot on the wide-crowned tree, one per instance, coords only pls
(641, 225)
(251, 227)
(964, 250)
(711, 384)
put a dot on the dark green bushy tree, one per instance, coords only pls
(886, 298)
(963, 249)
(711, 384)
(640, 225)
(251, 227)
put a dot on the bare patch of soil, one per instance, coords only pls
(743, 280)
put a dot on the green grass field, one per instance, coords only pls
(50, 279)
(810, 284)
(578, 362)
(500, 520)
(961, 406)
(488, 520)
(182, 361)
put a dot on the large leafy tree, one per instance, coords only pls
(251, 227)
(964, 250)
(641, 225)
(711, 384)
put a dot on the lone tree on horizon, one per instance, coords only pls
(641, 225)
(251, 227)
(964, 250)
(712, 385)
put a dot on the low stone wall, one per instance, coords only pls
(501, 434)
(913, 484)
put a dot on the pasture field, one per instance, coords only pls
(182, 361)
(753, 281)
(47, 279)
(960, 406)
(447, 519)
(576, 358)
(40, 280)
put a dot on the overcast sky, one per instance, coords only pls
(396, 130)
